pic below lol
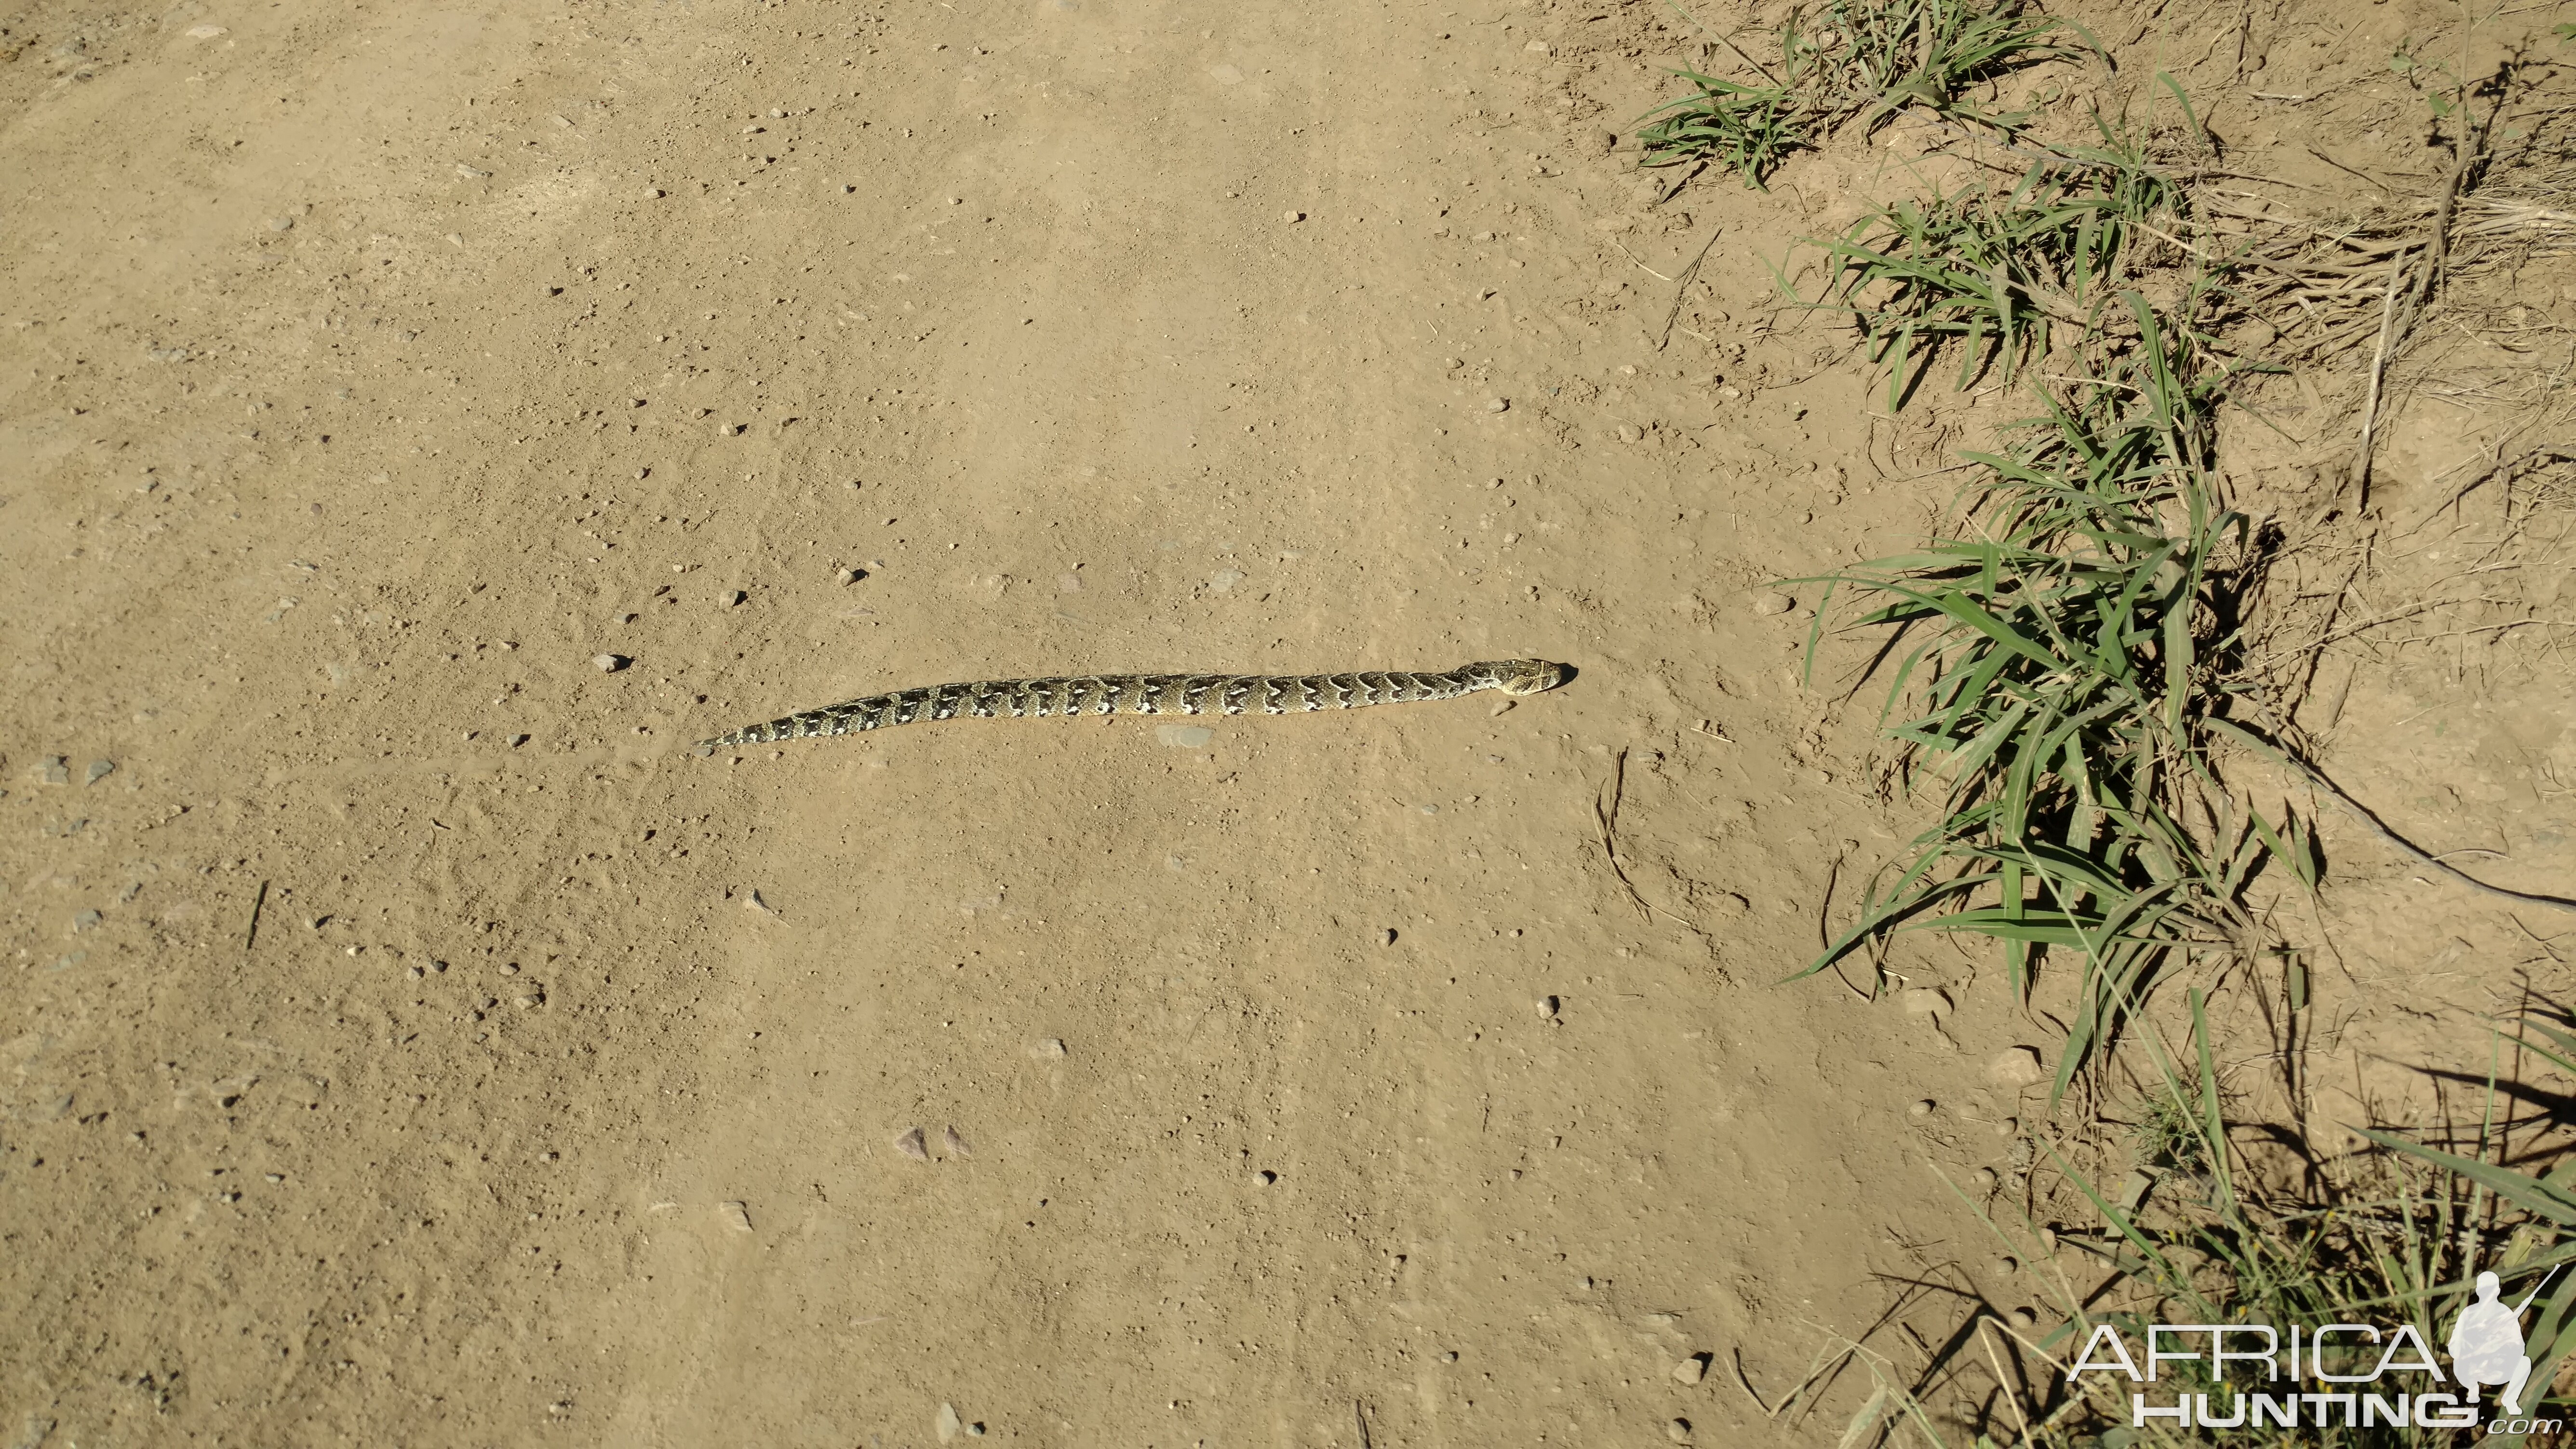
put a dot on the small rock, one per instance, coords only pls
(2019, 1066)
(849, 576)
(609, 663)
(1185, 737)
(777, 115)
(736, 1216)
(913, 1145)
(281, 223)
(1924, 1001)
(1609, 140)
(948, 1424)
(751, 901)
(2007, 1265)
(1678, 1431)
(203, 32)
(2009, 1127)
(54, 770)
(1453, 363)
(1628, 432)
(517, 740)
(1770, 604)
(1920, 1110)
(2024, 1319)
(99, 770)
(1692, 1369)
(1266, 1177)
(1498, 404)
(735, 598)
(1539, 47)
(1387, 936)
(2048, 1240)
(86, 921)
(1547, 1007)
(956, 1144)
(1984, 1179)
(1048, 1050)
(654, 193)
(472, 173)
(1292, 217)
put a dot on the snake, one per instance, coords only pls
(1102, 694)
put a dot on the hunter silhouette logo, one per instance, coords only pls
(2486, 1342)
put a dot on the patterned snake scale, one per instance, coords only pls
(1148, 694)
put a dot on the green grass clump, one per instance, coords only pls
(2068, 667)
(1993, 274)
(1851, 61)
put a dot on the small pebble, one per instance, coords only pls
(100, 770)
(2007, 1265)
(956, 1144)
(1547, 1007)
(1451, 1356)
(948, 1425)
(751, 901)
(1266, 1177)
(281, 223)
(1539, 47)
(1691, 1370)
(850, 576)
(1048, 1049)
(1678, 1431)
(55, 770)
(1387, 936)
(517, 740)
(1770, 604)
(1498, 404)
(2048, 1240)
(1984, 1178)
(1629, 432)
(1919, 1110)
(1609, 140)
(2024, 1319)
(914, 1145)
(1292, 217)
(1453, 364)
(609, 663)
(2009, 1127)
(736, 1216)
(2019, 1066)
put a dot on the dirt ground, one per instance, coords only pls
(407, 1040)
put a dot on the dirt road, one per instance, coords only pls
(408, 1041)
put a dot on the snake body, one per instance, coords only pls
(1148, 694)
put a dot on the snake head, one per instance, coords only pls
(1516, 676)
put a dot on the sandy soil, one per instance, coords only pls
(407, 1041)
